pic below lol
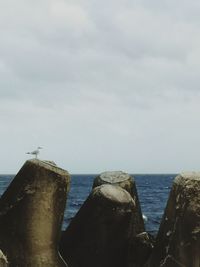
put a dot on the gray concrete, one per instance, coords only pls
(140, 249)
(127, 182)
(178, 240)
(3, 260)
(100, 233)
(31, 215)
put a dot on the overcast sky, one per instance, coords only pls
(101, 85)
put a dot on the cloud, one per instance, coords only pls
(101, 85)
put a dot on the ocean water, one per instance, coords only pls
(153, 191)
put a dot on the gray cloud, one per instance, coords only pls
(101, 85)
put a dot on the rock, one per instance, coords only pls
(127, 182)
(140, 249)
(100, 233)
(178, 240)
(31, 214)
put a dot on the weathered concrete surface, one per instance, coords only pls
(31, 214)
(140, 249)
(100, 233)
(3, 260)
(178, 240)
(127, 182)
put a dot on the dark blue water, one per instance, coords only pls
(153, 191)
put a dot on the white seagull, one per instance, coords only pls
(35, 152)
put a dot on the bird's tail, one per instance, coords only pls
(28, 153)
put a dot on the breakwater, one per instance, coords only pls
(108, 230)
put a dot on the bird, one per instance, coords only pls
(35, 152)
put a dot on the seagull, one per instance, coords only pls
(35, 152)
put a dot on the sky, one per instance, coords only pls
(101, 85)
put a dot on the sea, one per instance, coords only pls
(153, 191)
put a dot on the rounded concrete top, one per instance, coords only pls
(114, 193)
(114, 176)
(191, 175)
(188, 178)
